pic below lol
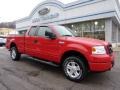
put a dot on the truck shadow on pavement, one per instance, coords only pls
(40, 65)
(91, 78)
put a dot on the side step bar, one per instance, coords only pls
(45, 62)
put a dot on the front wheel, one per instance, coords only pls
(15, 55)
(74, 68)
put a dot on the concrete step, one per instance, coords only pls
(116, 49)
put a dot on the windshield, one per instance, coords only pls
(64, 31)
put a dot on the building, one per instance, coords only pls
(5, 31)
(89, 18)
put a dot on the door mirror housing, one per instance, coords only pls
(50, 35)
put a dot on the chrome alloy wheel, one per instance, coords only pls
(73, 69)
(13, 53)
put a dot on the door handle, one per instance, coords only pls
(35, 41)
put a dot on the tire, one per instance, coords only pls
(15, 55)
(74, 68)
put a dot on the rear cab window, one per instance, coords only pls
(32, 31)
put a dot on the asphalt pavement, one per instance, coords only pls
(28, 74)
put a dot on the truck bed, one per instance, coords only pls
(19, 39)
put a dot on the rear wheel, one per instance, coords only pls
(74, 69)
(15, 55)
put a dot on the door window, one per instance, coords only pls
(42, 30)
(32, 31)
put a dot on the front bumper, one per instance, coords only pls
(101, 63)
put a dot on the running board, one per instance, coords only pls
(45, 62)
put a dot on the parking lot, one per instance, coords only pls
(28, 74)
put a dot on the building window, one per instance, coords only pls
(99, 29)
(90, 29)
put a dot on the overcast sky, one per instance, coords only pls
(11, 10)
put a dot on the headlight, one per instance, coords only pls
(98, 50)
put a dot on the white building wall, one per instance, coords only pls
(23, 25)
(53, 10)
(108, 30)
(114, 33)
(95, 9)
(119, 35)
(117, 9)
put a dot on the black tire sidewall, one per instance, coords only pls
(78, 60)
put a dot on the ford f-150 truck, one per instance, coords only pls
(59, 45)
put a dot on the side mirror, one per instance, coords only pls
(50, 35)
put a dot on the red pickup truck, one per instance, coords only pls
(59, 45)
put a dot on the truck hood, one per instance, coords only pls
(87, 41)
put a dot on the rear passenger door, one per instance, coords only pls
(30, 42)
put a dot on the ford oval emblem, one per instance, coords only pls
(44, 11)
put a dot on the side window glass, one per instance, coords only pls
(42, 30)
(22, 32)
(32, 31)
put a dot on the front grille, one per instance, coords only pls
(109, 49)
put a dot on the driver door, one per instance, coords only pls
(48, 48)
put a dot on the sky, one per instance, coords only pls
(11, 10)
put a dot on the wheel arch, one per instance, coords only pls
(75, 53)
(12, 45)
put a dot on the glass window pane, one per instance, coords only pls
(32, 31)
(86, 26)
(91, 29)
(42, 30)
(99, 25)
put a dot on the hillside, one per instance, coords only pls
(8, 25)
